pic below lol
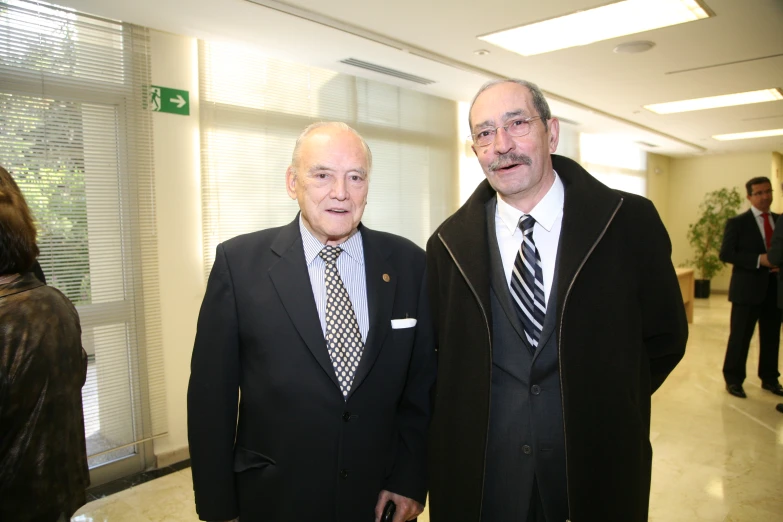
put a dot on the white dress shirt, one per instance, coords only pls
(548, 214)
(350, 264)
(760, 220)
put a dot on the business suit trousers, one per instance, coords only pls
(743, 321)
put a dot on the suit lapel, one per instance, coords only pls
(550, 319)
(380, 301)
(292, 282)
(498, 275)
(588, 208)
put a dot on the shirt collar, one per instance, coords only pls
(352, 246)
(757, 212)
(545, 212)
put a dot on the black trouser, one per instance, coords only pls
(743, 321)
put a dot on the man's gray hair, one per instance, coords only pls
(332, 125)
(539, 102)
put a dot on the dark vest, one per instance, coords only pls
(526, 443)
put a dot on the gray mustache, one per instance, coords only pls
(510, 159)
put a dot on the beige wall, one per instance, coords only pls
(691, 178)
(178, 200)
(658, 168)
(776, 175)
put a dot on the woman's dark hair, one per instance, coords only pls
(18, 249)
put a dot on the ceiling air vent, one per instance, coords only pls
(385, 70)
(648, 145)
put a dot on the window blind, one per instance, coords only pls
(75, 135)
(254, 107)
(615, 162)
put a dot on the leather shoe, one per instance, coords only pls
(779, 407)
(736, 390)
(774, 387)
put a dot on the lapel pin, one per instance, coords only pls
(386, 277)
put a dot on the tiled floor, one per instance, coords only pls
(716, 458)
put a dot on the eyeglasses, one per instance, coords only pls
(762, 193)
(515, 128)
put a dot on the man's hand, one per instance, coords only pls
(407, 508)
(764, 261)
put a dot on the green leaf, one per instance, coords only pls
(706, 234)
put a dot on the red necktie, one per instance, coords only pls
(767, 229)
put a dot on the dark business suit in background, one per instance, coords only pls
(753, 295)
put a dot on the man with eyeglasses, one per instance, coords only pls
(753, 290)
(558, 313)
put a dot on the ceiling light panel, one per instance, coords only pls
(713, 102)
(593, 25)
(749, 135)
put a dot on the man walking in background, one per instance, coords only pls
(753, 291)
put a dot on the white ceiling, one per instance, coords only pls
(739, 49)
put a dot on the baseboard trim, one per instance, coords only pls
(172, 457)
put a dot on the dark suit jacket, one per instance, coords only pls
(742, 245)
(775, 255)
(298, 450)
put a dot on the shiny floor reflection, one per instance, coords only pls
(716, 458)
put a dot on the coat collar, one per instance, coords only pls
(381, 280)
(292, 282)
(588, 208)
(28, 281)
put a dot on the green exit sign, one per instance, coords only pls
(165, 99)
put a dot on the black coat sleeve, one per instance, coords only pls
(213, 393)
(665, 326)
(732, 251)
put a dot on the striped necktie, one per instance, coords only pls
(527, 283)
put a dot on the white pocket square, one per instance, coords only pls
(403, 323)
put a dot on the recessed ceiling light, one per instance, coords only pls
(481, 52)
(594, 25)
(749, 135)
(640, 46)
(712, 102)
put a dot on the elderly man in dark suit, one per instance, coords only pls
(324, 326)
(753, 290)
(558, 313)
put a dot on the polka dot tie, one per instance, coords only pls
(343, 336)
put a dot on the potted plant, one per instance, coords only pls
(706, 234)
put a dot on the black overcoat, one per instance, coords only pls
(621, 329)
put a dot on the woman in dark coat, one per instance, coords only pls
(43, 459)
